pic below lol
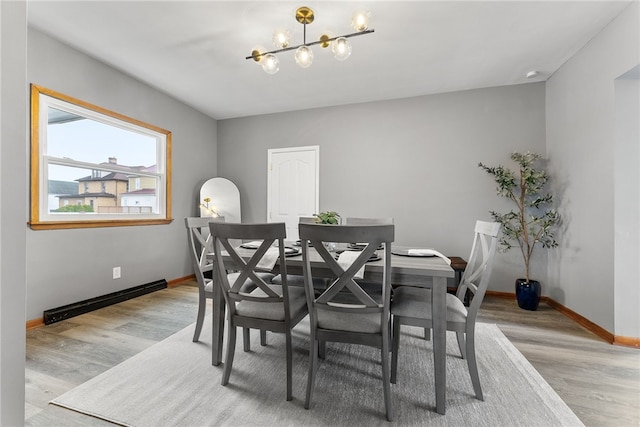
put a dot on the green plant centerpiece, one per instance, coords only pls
(532, 222)
(328, 217)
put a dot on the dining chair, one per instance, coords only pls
(412, 305)
(345, 312)
(367, 221)
(269, 307)
(200, 253)
(200, 246)
(308, 220)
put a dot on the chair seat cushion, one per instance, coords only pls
(356, 322)
(352, 322)
(274, 311)
(415, 302)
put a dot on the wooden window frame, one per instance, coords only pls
(37, 222)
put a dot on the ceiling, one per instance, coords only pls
(195, 50)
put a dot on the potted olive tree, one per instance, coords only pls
(533, 220)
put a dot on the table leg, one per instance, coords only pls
(218, 322)
(439, 310)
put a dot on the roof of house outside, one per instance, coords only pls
(113, 176)
(62, 187)
(119, 176)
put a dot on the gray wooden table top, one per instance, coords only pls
(403, 268)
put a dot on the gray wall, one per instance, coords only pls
(66, 266)
(581, 142)
(13, 209)
(627, 209)
(419, 155)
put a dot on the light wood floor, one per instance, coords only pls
(600, 382)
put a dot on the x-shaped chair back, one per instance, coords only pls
(374, 236)
(247, 269)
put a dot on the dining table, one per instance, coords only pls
(422, 271)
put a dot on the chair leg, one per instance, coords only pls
(289, 364)
(228, 363)
(202, 304)
(461, 345)
(386, 385)
(473, 365)
(246, 339)
(263, 337)
(427, 334)
(311, 376)
(322, 349)
(395, 345)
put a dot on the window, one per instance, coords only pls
(97, 160)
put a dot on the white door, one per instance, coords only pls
(292, 186)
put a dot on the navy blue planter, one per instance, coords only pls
(528, 294)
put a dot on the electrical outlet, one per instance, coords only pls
(116, 272)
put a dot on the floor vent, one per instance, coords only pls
(75, 309)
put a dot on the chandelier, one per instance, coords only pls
(340, 45)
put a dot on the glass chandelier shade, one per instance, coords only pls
(340, 45)
(360, 20)
(304, 57)
(282, 38)
(270, 63)
(341, 48)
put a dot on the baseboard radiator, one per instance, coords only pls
(67, 311)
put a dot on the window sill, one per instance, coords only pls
(59, 225)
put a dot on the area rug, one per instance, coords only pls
(173, 383)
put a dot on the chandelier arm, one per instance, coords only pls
(346, 36)
(304, 34)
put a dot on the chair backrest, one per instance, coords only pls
(333, 298)
(248, 269)
(478, 271)
(308, 220)
(200, 244)
(367, 221)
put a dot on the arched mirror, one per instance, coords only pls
(220, 197)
